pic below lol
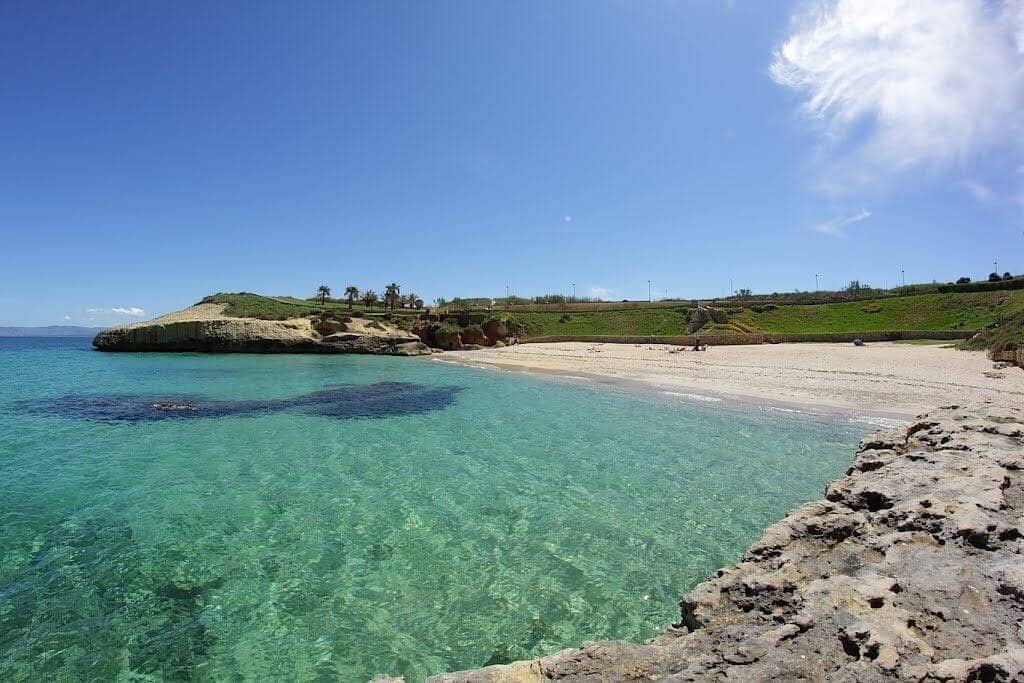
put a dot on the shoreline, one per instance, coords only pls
(890, 382)
(699, 397)
(907, 569)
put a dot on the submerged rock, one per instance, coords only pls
(910, 569)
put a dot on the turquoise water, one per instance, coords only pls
(331, 518)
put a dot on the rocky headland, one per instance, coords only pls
(204, 327)
(909, 569)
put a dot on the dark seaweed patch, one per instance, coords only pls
(384, 399)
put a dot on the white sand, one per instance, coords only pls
(882, 378)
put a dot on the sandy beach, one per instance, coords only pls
(900, 380)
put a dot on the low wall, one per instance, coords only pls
(738, 339)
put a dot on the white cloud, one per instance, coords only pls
(981, 193)
(67, 317)
(132, 311)
(600, 292)
(836, 226)
(907, 83)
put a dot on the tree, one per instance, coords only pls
(1007, 276)
(351, 293)
(994, 277)
(963, 281)
(856, 286)
(391, 293)
(743, 293)
(369, 298)
(440, 302)
(323, 292)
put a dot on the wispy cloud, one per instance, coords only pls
(600, 292)
(897, 84)
(131, 311)
(837, 226)
(981, 193)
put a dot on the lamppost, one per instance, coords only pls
(903, 277)
(506, 294)
(996, 264)
(574, 291)
(816, 282)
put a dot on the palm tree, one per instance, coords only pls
(322, 293)
(351, 293)
(369, 298)
(391, 293)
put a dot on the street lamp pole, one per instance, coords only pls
(574, 291)
(903, 276)
(816, 282)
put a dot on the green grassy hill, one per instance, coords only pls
(964, 311)
(247, 305)
(951, 311)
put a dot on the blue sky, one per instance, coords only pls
(157, 152)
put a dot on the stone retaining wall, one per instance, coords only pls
(740, 339)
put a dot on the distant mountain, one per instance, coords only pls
(50, 331)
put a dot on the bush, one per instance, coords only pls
(963, 281)
(872, 308)
(357, 314)
(994, 277)
(565, 318)
(1007, 276)
(512, 324)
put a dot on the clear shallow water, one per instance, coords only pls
(269, 529)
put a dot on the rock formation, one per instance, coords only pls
(204, 328)
(909, 569)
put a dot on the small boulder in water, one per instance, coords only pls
(169, 405)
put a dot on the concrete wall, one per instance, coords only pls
(730, 339)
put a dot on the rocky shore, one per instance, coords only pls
(203, 327)
(909, 569)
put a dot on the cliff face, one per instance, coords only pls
(909, 569)
(202, 328)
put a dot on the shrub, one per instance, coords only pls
(963, 281)
(357, 314)
(872, 308)
(1007, 276)
(565, 318)
(512, 324)
(994, 277)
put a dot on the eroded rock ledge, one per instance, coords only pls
(909, 569)
(204, 328)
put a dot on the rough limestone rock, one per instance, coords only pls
(201, 328)
(424, 330)
(447, 339)
(910, 569)
(495, 330)
(474, 335)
